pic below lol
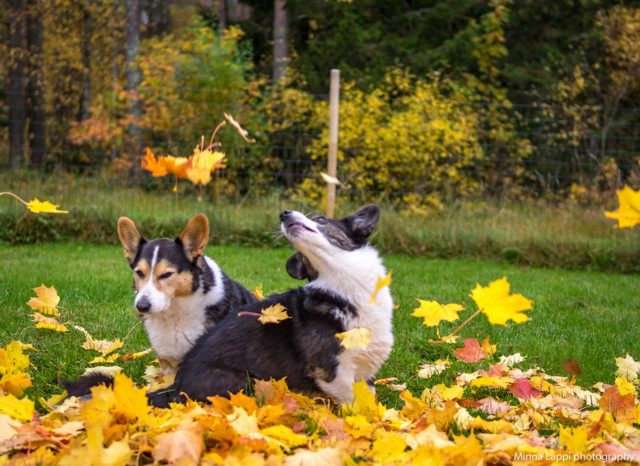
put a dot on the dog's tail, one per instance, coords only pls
(161, 398)
(81, 387)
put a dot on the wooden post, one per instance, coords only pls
(334, 98)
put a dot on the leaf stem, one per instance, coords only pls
(215, 131)
(17, 197)
(458, 329)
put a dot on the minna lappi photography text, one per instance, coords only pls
(569, 457)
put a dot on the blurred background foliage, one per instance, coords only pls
(469, 99)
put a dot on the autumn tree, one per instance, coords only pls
(17, 101)
(133, 72)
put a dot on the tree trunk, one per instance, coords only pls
(223, 14)
(17, 96)
(280, 39)
(87, 31)
(35, 85)
(133, 76)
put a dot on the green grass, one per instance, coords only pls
(587, 316)
(530, 233)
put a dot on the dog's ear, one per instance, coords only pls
(194, 237)
(130, 238)
(298, 267)
(364, 220)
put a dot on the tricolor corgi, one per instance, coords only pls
(180, 293)
(343, 269)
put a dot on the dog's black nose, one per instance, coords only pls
(284, 214)
(143, 305)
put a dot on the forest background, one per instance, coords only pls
(465, 106)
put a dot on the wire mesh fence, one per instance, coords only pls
(420, 156)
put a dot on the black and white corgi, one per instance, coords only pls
(343, 269)
(180, 293)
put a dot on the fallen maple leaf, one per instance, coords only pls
(356, 337)
(46, 301)
(429, 370)
(498, 305)
(627, 368)
(433, 312)
(511, 360)
(472, 352)
(380, 283)
(183, 444)
(628, 213)
(50, 323)
(522, 389)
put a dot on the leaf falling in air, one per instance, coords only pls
(258, 293)
(243, 132)
(496, 302)
(355, 338)
(628, 213)
(37, 207)
(273, 314)
(330, 179)
(433, 312)
(381, 282)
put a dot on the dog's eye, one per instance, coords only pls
(319, 219)
(139, 273)
(165, 275)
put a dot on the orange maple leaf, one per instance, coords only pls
(472, 352)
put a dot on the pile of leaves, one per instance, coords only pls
(499, 413)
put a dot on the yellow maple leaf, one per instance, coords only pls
(273, 314)
(258, 293)
(15, 383)
(628, 213)
(12, 358)
(380, 283)
(574, 439)
(37, 206)
(202, 163)
(388, 448)
(130, 401)
(498, 305)
(356, 337)
(46, 301)
(50, 323)
(433, 312)
(284, 436)
(103, 346)
(104, 359)
(625, 386)
(94, 452)
(364, 403)
(21, 410)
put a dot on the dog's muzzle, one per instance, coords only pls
(290, 221)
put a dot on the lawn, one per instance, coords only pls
(590, 317)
